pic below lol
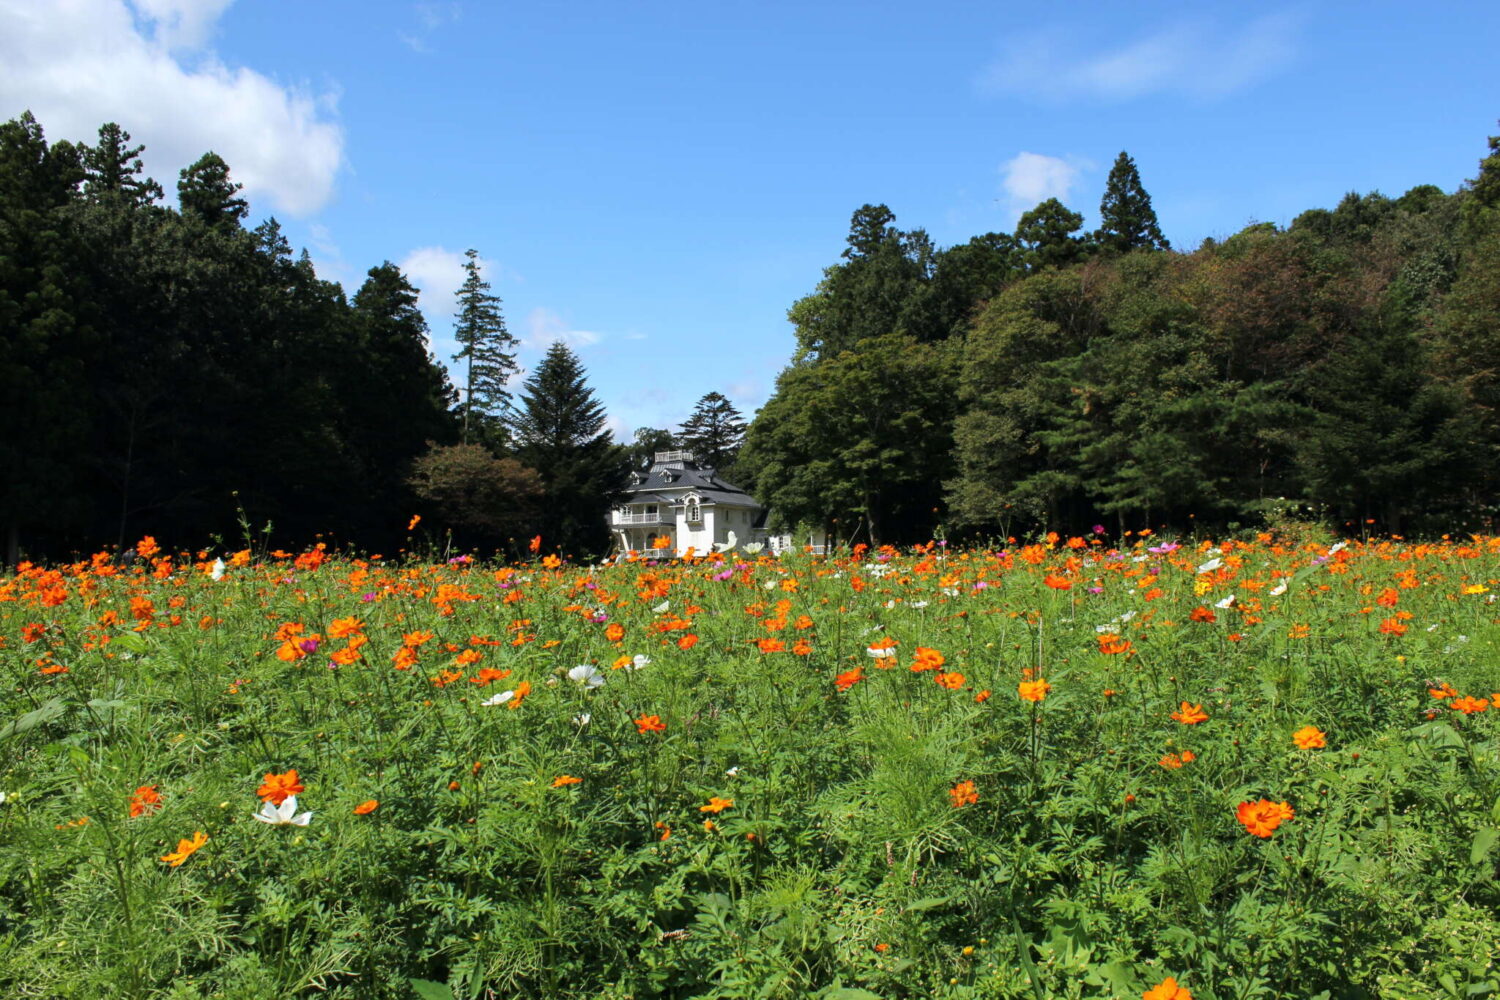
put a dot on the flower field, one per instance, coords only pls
(1080, 767)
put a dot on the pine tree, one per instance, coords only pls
(1127, 220)
(1045, 235)
(559, 432)
(486, 348)
(714, 432)
(114, 169)
(205, 191)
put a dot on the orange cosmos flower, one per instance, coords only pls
(1112, 645)
(770, 645)
(963, 794)
(1392, 626)
(802, 647)
(522, 690)
(186, 849)
(849, 678)
(1469, 704)
(1033, 690)
(277, 787)
(563, 780)
(716, 805)
(339, 628)
(1167, 989)
(982, 696)
(1171, 762)
(927, 659)
(1057, 582)
(1310, 738)
(146, 548)
(1190, 715)
(366, 807)
(1299, 632)
(952, 681)
(549, 562)
(536, 544)
(615, 632)
(662, 542)
(144, 800)
(415, 520)
(650, 724)
(1202, 614)
(1262, 818)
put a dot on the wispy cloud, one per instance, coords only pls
(430, 15)
(79, 64)
(543, 327)
(1193, 58)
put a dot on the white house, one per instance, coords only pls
(687, 503)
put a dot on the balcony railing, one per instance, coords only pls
(662, 457)
(623, 519)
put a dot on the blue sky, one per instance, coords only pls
(657, 182)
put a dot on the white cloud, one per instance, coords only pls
(1028, 179)
(430, 17)
(437, 272)
(1191, 58)
(543, 326)
(76, 64)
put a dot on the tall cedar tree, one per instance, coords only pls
(1045, 236)
(486, 348)
(114, 169)
(205, 191)
(714, 432)
(559, 432)
(1127, 220)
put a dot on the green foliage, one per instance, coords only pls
(1127, 220)
(205, 192)
(465, 486)
(559, 431)
(714, 433)
(486, 351)
(787, 835)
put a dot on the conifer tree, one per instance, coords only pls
(714, 432)
(559, 431)
(1127, 220)
(205, 191)
(486, 348)
(114, 169)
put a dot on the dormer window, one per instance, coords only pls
(694, 508)
(669, 476)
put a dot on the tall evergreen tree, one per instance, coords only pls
(1045, 235)
(1127, 220)
(559, 432)
(486, 349)
(205, 191)
(714, 432)
(648, 441)
(114, 169)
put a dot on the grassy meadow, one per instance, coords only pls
(1076, 767)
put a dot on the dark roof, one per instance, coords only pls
(688, 477)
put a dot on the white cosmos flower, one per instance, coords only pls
(770, 584)
(918, 604)
(283, 815)
(499, 699)
(1210, 566)
(217, 572)
(1227, 602)
(733, 771)
(880, 654)
(638, 661)
(662, 607)
(1337, 547)
(588, 675)
(1278, 590)
(754, 548)
(582, 719)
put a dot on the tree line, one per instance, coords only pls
(1343, 368)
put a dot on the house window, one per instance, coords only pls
(694, 512)
(651, 508)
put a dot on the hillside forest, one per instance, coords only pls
(174, 371)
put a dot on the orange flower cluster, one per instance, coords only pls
(1033, 690)
(963, 794)
(716, 805)
(1190, 715)
(144, 801)
(277, 788)
(1310, 738)
(1263, 817)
